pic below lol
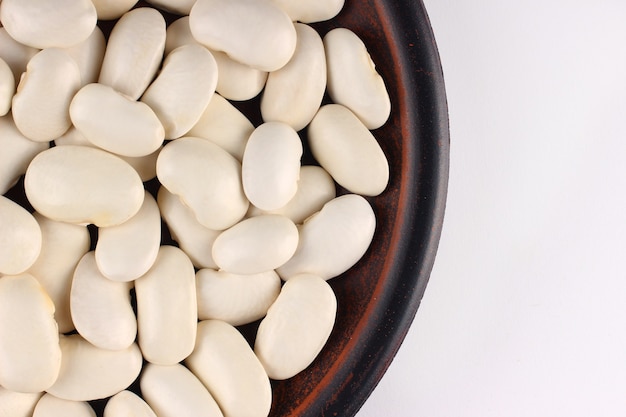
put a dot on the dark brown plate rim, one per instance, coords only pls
(345, 376)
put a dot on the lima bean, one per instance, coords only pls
(113, 122)
(63, 245)
(129, 67)
(345, 148)
(256, 245)
(182, 90)
(83, 185)
(112, 9)
(206, 178)
(334, 239)
(309, 11)
(17, 152)
(127, 251)
(20, 238)
(15, 54)
(51, 406)
(7, 87)
(173, 391)
(90, 373)
(100, 307)
(353, 80)
(30, 356)
(226, 364)
(18, 404)
(224, 125)
(293, 93)
(271, 165)
(296, 327)
(315, 188)
(89, 55)
(235, 298)
(127, 404)
(192, 237)
(45, 24)
(41, 104)
(167, 311)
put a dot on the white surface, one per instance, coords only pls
(525, 313)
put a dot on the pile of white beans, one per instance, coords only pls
(87, 122)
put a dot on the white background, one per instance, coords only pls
(525, 312)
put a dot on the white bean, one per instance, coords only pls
(79, 184)
(234, 298)
(73, 137)
(345, 148)
(238, 81)
(228, 367)
(20, 242)
(223, 124)
(127, 251)
(129, 67)
(167, 311)
(17, 152)
(115, 123)
(183, 89)
(182, 7)
(256, 245)
(63, 245)
(173, 391)
(7, 87)
(178, 34)
(15, 54)
(254, 32)
(296, 327)
(334, 239)
(315, 188)
(271, 165)
(30, 357)
(127, 404)
(309, 11)
(144, 165)
(41, 104)
(90, 373)
(192, 237)
(206, 178)
(101, 308)
(18, 404)
(353, 80)
(45, 24)
(89, 55)
(112, 9)
(51, 406)
(293, 94)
